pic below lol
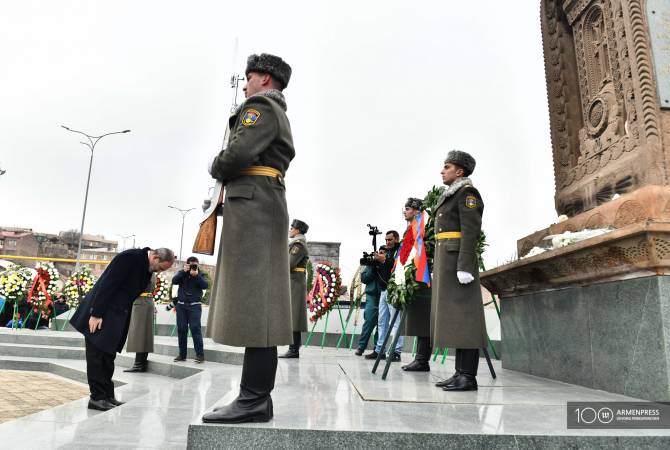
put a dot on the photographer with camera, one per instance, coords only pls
(189, 308)
(386, 311)
(372, 278)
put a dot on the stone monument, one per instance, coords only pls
(597, 313)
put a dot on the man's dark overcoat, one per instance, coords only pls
(112, 297)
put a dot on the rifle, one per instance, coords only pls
(205, 240)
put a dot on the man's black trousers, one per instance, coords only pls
(99, 371)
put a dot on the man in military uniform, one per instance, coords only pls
(417, 313)
(253, 299)
(299, 256)
(457, 312)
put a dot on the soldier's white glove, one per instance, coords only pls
(464, 277)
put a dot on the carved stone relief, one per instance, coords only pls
(602, 103)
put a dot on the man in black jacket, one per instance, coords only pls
(189, 308)
(110, 301)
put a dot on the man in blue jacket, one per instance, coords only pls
(189, 308)
(372, 277)
(110, 301)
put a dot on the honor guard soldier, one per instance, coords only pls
(299, 256)
(457, 312)
(253, 297)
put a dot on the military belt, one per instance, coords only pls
(298, 269)
(262, 171)
(449, 235)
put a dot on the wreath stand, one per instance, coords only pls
(437, 351)
(39, 283)
(321, 293)
(343, 333)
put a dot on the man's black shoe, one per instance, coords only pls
(395, 357)
(241, 411)
(290, 354)
(463, 382)
(115, 402)
(100, 405)
(137, 367)
(179, 359)
(199, 359)
(416, 366)
(358, 352)
(448, 381)
(372, 355)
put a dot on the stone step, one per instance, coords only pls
(73, 340)
(202, 436)
(158, 364)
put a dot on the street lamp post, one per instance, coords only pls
(183, 216)
(92, 140)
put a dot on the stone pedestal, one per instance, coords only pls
(595, 313)
(612, 336)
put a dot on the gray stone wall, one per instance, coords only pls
(612, 336)
(324, 251)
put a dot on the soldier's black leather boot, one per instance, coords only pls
(253, 404)
(247, 407)
(294, 349)
(290, 353)
(140, 363)
(448, 381)
(420, 363)
(467, 366)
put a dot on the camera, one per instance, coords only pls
(194, 267)
(368, 259)
(374, 231)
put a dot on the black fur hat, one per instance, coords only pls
(274, 65)
(300, 226)
(461, 159)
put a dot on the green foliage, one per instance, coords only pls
(401, 296)
(481, 248)
(310, 272)
(208, 278)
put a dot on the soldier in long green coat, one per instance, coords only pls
(298, 258)
(252, 307)
(457, 312)
(141, 329)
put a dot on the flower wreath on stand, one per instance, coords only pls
(45, 284)
(78, 285)
(162, 290)
(326, 289)
(14, 282)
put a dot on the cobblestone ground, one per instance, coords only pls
(23, 392)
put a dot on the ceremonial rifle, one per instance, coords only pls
(206, 237)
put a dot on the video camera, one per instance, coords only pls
(368, 259)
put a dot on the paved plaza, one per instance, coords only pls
(25, 392)
(327, 399)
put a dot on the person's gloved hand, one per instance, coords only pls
(464, 277)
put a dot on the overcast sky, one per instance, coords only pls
(380, 92)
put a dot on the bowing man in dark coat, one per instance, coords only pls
(104, 316)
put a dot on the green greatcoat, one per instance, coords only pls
(417, 313)
(457, 312)
(299, 256)
(141, 330)
(251, 304)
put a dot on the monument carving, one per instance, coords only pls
(611, 147)
(604, 112)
